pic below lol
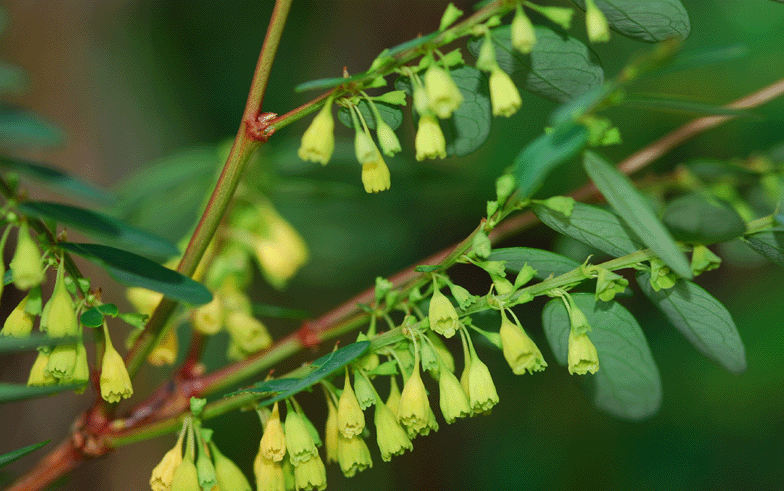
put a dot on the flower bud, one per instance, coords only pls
(520, 352)
(143, 300)
(351, 419)
(596, 23)
(206, 471)
(582, 356)
(19, 323)
(442, 94)
(353, 455)
(442, 351)
(661, 276)
(163, 473)
(62, 361)
(331, 432)
(375, 176)
(208, 318)
(310, 474)
(248, 332)
(485, 61)
(186, 477)
(481, 390)
(609, 284)
(442, 315)
(577, 319)
(559, 15)
(115, 382)
(504, 96)
(702, 259)
(281, 251)
(523, 34)
(429, 142)
(393, 401)
(451, 397)
(412, 412)
(364, 147)
(318, 141)
(273, 442)
(299, 443)
(363, 389)
(39, 375)
(387, 138)
(81, 373)
(26, 264)
(59, 317)
(229, 476)
(269, 474)
(390, 436)
(165, 352)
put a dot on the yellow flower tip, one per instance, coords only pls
(39, 375)
(269, 474)
(62, 362)
(481, 390)
(504, 96)
(442, 315)
(163, 473)
(429, 142)
(228, 476)
(452, 398)
(351, 419)
(165, 352)
(582, 357)
(523, 34)
(143, 300)
(413, 409)
(387, 138)
(208, 319)
(115, 382)
(442, 94)
(19, 323)
(27, 267)
(318, 141)
(520, 352)
(186, 477)
(596, 23)
(59, 316)
(311, 474)
(353, 455)
(390, 436)
(273, 442)
(299, 442)
(364, 147)
(247, 332)
(375, 176)
(331, 432)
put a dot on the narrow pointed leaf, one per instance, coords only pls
(636, 212)
(103, 226)
(648, 20)
(672, 105)
(545, 153)
(133, 270)
(57, 180)
(627, 384)
(29, 343)
(545, 263)
(19, 392)
(23, 128)
(276, 312)
(17, 454)
(702, 319)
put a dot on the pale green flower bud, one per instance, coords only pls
(577, 319)
(353, 455)
(520, 352)
(26, 264)
(115, 382)
(609, 284)
(299, 443)
(165, 352)
(481, 390)
(248, 332)
(429, 142)
(273, 442)
(311, 474)
(331, 432)
(387, 138)
(481, 245)
(318, 141)
(364, 147)
(375, 176)
(206, 471)
(451, 14)
(504, 96)
(596, 23)
(523, 34)
(562, 204)
(661, 276)
(502, 285)
(525, 275)
(39, 375)
(351, 419)
(452, 398)
(62, 362)
(442, 351)
(393, 401)
(81, 373)
(442, 315)
(559, 15)
(442, 94)
(229, 476)
(421, 103)
(59, 316)
(186, 477)
(366, 396)
(412, 412)
(486, 59)
(391, 437)
(19, 323)
(163, 474)
(208, 318)
(582, 356)
(702, 259)
(269, 474)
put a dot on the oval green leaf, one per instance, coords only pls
(391, 114)
(17, 454)
(57, 180)
(133, 270)
(104, 226)
(627, 384)
(648, 20)
(22, 128)
(469, 126)
(636, 212)
(545, 263)
(91, 318)
(770, 244)
(702, 219)
(702, 319)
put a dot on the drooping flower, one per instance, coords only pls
(269, 474)
(481, 390)
(115, 382)
(165, 352)
(186, 477)
(520, 352)
(331, 432)
(429, 142)
(247, 331)
(318, 141)
(504, 96)
(393, 401)
(299, 442)
(39, 375)
(19, 323)
(280, 250)
(353, 455)
(442, 93)
(582, 355)
(451, 397)
(413, 410)
(163, 473)
(208, 318)
(375, 176)
(228, 474)
(310, 474)
(351, 419)
(442, 315)
(62, 361)
(273, 441)
(26, 264)
(387, 138)
(523, 34)
(390, 436)
(59, 316)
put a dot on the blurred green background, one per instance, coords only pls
(132, 82)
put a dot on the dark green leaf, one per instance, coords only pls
(133, 270)
(544, 154)
(29, 343)
(108, 309)
(469, 126)
(427, 268)
(671, 105)
(649, 20)
(702, 319)
(17, 454)
(57, 180)
(717, 170)
(708, 56)
(636, 212)
(391, 114)
(8, 277)
(593, 226)
(769, 243)
(91, 318)
(574, 109)
(321, 83)
(12, 79)
(545, 263)
(275, 312)
(414, 43)
(98, 224)
(19, 392)
(627, 383)
(560, 67)
(22, 128)
(323, 367)
(702, 219)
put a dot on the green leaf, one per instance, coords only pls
(702, 319)
(545, 153)
(29, 343)
(19, 392)
(711, 55)
(469, 126)
(22, 128)
(17, 454)
(91, 318)
(98, 224)
(57, 180)
(593, 226)
(560, 67)
(324, 367)
(673, 105)
(8, 277)
(627, 384)
(322, 83)
(770, 244)
(108, 309)
(133, 270)
(636, 212)
(649, 20)
(275, 312)
(12, 79)
(414, 43)
(574, 109)
(545, 263)
(702, 219)
(391, 114)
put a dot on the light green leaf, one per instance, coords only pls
(323, 367)
(627, 384)
(702, 319)
(17, 454)
(57, 180)
(391, 114)
(22, 128)
(560, 67)
(702, 219)
(770, 244)
(133, 270)
(29, 343)
(19, 392)
(636, 212)
(98, 224)
(593, 226)
(545, 153)
(545, 263)
(648, 20)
